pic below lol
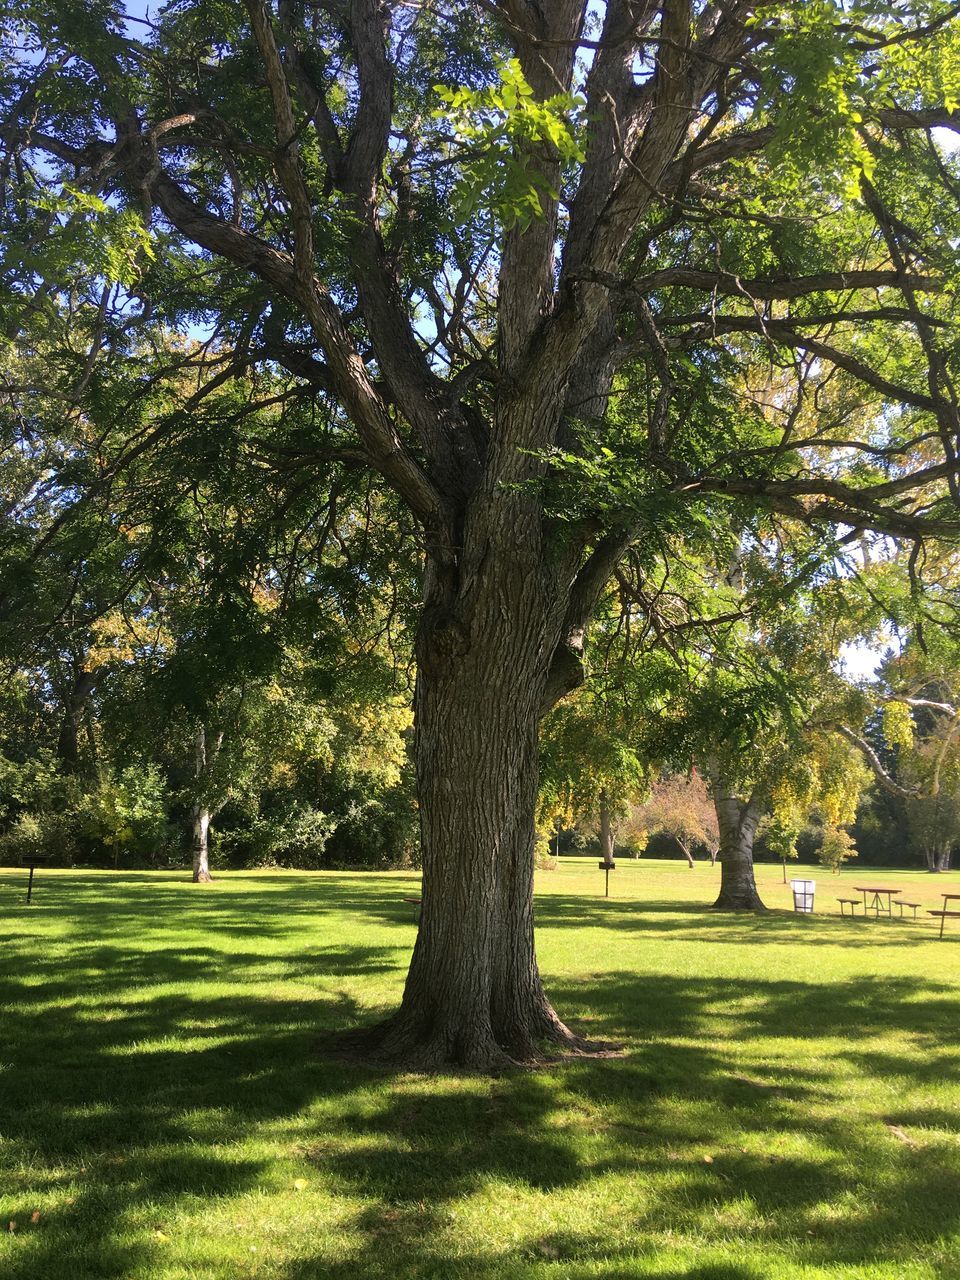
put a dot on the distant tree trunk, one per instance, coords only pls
(937, 857)
(606, 828)
(686, 852)
(74, 704)
(738, 827)
(201, 845)
(202, 812)
(91, 736)
(714, 850)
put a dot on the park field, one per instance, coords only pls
(787, 1103)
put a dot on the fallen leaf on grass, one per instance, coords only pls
(708, 1159)
(35, 1216)
(299, 1184)
(160, 1235)
(12, 1224)
(901, 1135)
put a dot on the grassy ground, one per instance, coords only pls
(789, 1105)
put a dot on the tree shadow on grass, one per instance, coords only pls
(120, 1086)
(909, 1189)
(679, 1096)
(859, 1011)
(554, 1256)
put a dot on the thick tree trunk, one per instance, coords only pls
(201, 845)
(473, 995)
(943, 859)
(738, 828)
(606, 829)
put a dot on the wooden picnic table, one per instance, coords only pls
(875, 893)
(946, 911)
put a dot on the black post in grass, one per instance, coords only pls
(607, 867)
(33, 860)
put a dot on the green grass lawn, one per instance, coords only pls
(788, 1104)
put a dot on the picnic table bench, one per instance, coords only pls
(901, 903)
(946, 911)
(876, 904)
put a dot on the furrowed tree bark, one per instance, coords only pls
(738, 828)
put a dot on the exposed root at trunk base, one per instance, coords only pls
(202, 877)
(403, 1044)
(739, 902)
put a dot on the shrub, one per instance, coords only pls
(126, 814)
(296, 837)
(836, 848)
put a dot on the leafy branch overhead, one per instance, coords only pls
(504, 138)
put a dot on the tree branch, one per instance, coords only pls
(387, 451)
(873, 760)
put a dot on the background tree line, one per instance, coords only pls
(199, 653)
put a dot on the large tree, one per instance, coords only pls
(533, 302)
